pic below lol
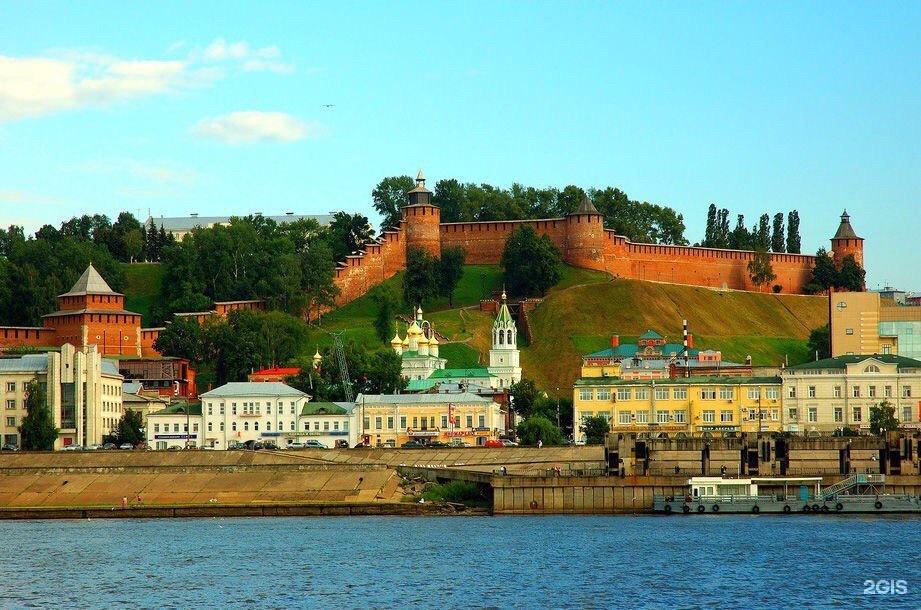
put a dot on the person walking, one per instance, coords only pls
(540, 443)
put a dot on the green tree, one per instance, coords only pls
(130, 427)
(760, 270)
(37, 431)
(348, 233)
(763, 235)
(420, 282)
(524, 396)
(386, 302)
(539, 428)
(595, 429)
(882, 418)
(450, 271)
(820, 341)
(451, 196)
(530, 263)
(710, 231)
(318, 270)
(824, 273)
(740, 238)
(389, 196)
(778, 243)
(852, 276)
(793, 238)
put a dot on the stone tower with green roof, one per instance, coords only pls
(504, 357)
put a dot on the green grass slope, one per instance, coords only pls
(579, 320)
(144, 280)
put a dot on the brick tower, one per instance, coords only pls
(585, 237)
(422, 219)
(846, 242)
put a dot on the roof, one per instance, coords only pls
(187, 223)
(651, 334)
(110, 367)
(131, 387)
(29, 363)
(89, 283)
(734, 381)
(448, 387)
(70, 312)
(586, 207)
(327, 408)
(845, 230)
(278, 370)
(254, 388)
(629, 350)
(424, 399)
(840, 362)
(179, 408)
(505, 316)
(480, 372)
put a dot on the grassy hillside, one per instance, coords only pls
(143, 289)
(579, 320)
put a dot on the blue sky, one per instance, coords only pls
(218, 108)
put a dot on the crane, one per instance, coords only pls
(343, 367)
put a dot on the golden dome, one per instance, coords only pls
(413, 329)
(433, 340)
(396, 340)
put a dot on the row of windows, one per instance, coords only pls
(11, 386)
(664, 393)
(856, 391)
(336, 425)
(423, 423)
(812, 414)
(252, 408)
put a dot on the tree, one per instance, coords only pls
(451, 196)
(37, 431)
(524, 396)
(389, 196)
(347, 233)
(760, 270)
(130, 427)
(318, 277)
(778, 243)
(882, 418)
(793, 238)
(386, 301)
(420, 282)
(450, 271)
(595, 429)
(530, 264)
(710, 231)
(820, 342)
(763, 235)
(824, 273)
(740, 238)
(539, 428)
(852, 276)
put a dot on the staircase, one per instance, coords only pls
(851, 482)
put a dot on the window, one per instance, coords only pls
(481, 421)
(792, 392)
(378, 423)
(812, 415)
(708, 394)
(326, 424)
(268, 409)
(887, 349)
(871, 391)
(623, 417)
(679, 416)
(623, 393)
(855, 391)
(156, 428)
(726, 393)
(586, 415)
(444, 421)
(906, 413)
(837, 391)
(316, 425)
(233, 408)
(415, 422)
(662, 417)
(292, 426)
(10, 386)
(812, 391)
(586, 393)
(11, 422)
(793, 414)
(221, 410)
(293, 412)
(839, 414)
(642, 417)
(772, 393)
(268, 426)
(709, 416)
(345, 425)
(246, 425)
(752, 415)
(871, 369)
(754, 393)
(470, 421)
(887, 391)
(906, 391)
(10, 404)
(210, 409)
(857, 414)
(175, 427)
(403, 421)
(726, 416)
(367, 422)
(389, 423)
(195, 427)
(680, 394)
(431, 422)
(604, 394)
(642, 394)
(848, 331)
(233, 426)
(661, 393)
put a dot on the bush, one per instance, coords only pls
(463, 492)
(777, 288)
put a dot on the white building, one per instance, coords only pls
(504, 357)
(175, 426)
(251, 411)
(418, 350)
(330, 423)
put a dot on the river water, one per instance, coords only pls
(457, 562)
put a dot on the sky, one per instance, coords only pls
(170, 108)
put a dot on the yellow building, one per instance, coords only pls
(690, 406)
(864, 323)
(394, 419)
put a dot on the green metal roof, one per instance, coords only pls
(480, 372)
(616, 381)
(179, 408)
(628, 350)
(840, 362)
(324, 408)
(420, 385)
(651, 334)
(504, 315)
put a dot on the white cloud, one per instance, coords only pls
(20, 197)
(65, 79)
(162, 172)
(253, 126)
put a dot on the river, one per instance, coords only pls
(457, 562)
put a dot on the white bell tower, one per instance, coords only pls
(504, 357)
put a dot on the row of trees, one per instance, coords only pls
(469, 202)
(766, 235)
(126, 239)
(825, 274)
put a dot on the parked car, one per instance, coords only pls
(73, 448)
(9, 447)
(269, 445)
(492, 443)
(234, 446)
(457, 443)
(143, 445)
(412, 445)
(438, 445)
(94, 447)
(315, 444)
(508, 443)
(109, 446)
(343, 444)
(126, 446)
(295, 446)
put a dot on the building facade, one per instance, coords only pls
(83, 391)
(865, 323)
(418, 351)
(504, 357)
(681, 407)
(330, 423)
(835, 393)
(238, 412)
(175, 427)
(394, 419)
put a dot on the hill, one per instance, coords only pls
(143, 288)
(579, 320)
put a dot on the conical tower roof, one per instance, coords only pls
(505, 316)
(586, 207)
(90, 283)
(845, 230)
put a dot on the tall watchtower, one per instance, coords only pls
(422, 219)
(585, 237)
(846, 242)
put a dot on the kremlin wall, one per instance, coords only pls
(583, 242)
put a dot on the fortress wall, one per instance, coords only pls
(485, 241)
(25, 336)
(379, 261)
